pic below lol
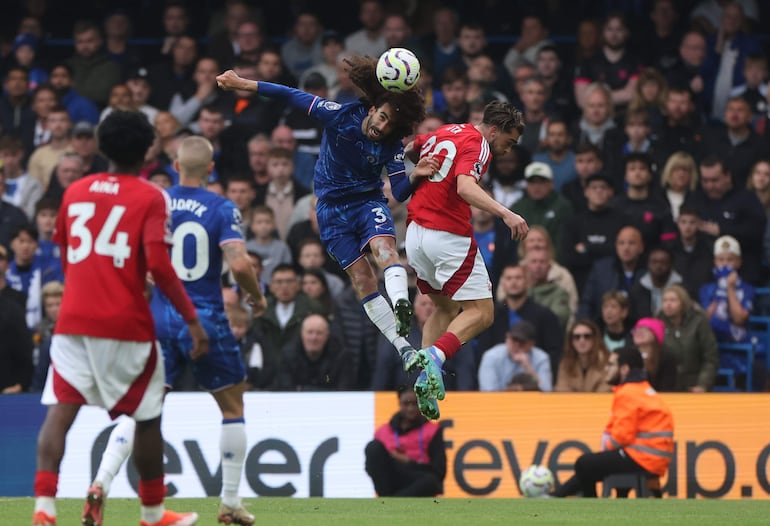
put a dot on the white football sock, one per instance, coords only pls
(395, 283)
(153, 514)
(119, 447)
(381, 314)
(46, 504)
(232, 444)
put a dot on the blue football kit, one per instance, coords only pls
(348, 174)
(201, 222)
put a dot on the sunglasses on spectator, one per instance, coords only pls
(582, 336)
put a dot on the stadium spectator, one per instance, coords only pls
(641, 204)
(639, 435)
(407, 456)
(68, 170)
(117, 32)
(547, 293)
(620, 271)
(120, 99)
(680, 129)
(560, 96)
(272, 251)
(541, 204)
(660, 45)
(591, 235)
(494, 241)
(736, 144)
(708, 13)
(176, 23)
(256, 150)
(174, 74)
(331, 48)
(518, 354)
(690, 339)
(727, 208)
(17, 350)
(51, 295)
(588, 40)
(281, 322)
(93, 71)
(21, 189)
(506, 174)
(223, 43)
(648, 336)
(16, 114)
(534, 37)
(46, 211)
(316, 360)
(138, 84)
(303, 50)
(44, 159)
(370, 39)
(11, 217)
(587, 161)
(83, 143)
(582, 365)
(249, 38)
(440, 45)
(639, 140)
(649, 95)
(692, 252)
(282, 192)
(311, 256)
(597, 124)
(646, 295)
(558, 154)
(616, 320)
(686, 72)
(79, 107)
(25, 47)
(614, 64)
(539, 239)
(678, 179)
(454, 89)
(533, 101)
(516, 306)
(754, 90)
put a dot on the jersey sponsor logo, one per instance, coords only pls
(330, 105)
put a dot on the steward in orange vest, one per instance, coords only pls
(407, 456)
(640, 434)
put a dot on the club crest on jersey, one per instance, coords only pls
(331, 105)
(371, 158)
(399, 157)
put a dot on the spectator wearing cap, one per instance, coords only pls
(591, 235)
(517, 354)
(94, 73)
(138, 84)
(331, 47)
(24, 52)
(728, 301)
(83, 143)
(726, 208)
(541, 204)
(303, 50)
(79, 107)
(660, 364)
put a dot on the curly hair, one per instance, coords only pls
(408, 106)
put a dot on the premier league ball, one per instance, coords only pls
(536, 481)
(398, 69)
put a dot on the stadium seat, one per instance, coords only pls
(744, 360)
(643, 484)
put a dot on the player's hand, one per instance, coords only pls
(399, 456)
(200, 340)
(426, 167)
(229, 80)
(258, 306)
(517, 224)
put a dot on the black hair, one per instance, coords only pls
(408, 106)
(125, 136)
(588, 147)
(639, 157)
(46, 203)
(284, 267)
(630, 356)
(28, 229)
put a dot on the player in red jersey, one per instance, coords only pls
(439, 239)
(112, 229)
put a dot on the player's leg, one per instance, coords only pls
(50, 451)
(386, 256)
(232, 445)
(131, 381)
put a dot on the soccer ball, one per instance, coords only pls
(398, 69)
(536, 481)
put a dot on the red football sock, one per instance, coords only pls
(449, 343)
(45, 483)
(152, 492)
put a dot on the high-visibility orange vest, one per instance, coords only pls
(642, 425)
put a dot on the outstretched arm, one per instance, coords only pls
(470, 191)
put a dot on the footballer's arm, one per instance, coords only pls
(240, 265)
(470, 191)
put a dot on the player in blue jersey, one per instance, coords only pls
(206, 229)
(360, 140)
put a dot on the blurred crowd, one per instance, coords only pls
(644, 172)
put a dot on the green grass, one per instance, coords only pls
(429, 512)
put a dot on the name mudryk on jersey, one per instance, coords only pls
(188, 205)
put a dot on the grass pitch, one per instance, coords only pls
(427, 512)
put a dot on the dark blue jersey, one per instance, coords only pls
(349, 163)
(201, 222)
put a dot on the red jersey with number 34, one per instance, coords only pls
(461, 150)
(103, 225)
